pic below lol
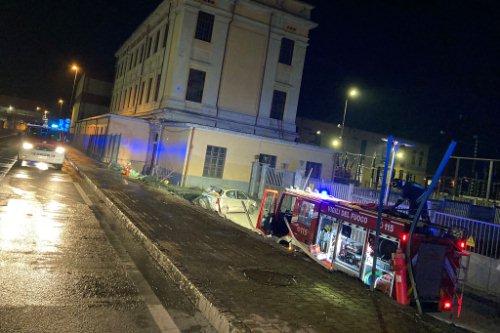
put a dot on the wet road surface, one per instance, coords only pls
(66, 266)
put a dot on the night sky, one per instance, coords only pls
(427, 70)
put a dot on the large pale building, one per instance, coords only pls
(219, 82)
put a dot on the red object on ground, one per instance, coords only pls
(399, 267)
(127, 170)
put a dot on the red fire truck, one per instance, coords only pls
(340, 235)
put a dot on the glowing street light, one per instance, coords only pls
(60, 102)
(351, 94)
(336, 143)
(74, 68)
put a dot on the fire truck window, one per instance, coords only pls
(306, 213)
(287, 204)
(350, 248)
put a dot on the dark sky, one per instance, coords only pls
(427, 70)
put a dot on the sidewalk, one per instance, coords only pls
(240, 281)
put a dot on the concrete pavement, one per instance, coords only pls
(240, 281)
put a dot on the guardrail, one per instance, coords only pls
(483, 237)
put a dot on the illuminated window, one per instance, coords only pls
(278, 105)
(204, 27)
(196, 82)
(286, 51)
(215, 159)
(268, 159)
(316, 169)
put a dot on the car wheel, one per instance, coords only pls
(58, 166)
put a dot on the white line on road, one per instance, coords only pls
(83, 195)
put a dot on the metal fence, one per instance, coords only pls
(483, 237)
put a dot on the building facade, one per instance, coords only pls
(218, 82)
(361, 154)
(92, 98)
(234, 65)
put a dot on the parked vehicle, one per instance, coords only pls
(341, 235)
(41, 144)
(229, 200)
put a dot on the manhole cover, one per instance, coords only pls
(270, 278)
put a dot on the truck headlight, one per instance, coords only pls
(27, 145)
(60, 150)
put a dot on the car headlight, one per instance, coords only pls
(27, 145)
(60, 150)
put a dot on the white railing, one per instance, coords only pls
(484, 238)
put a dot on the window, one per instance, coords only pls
(157, 40)
(165, 36)
(286, 51)
(413, 157)
(204, 27)
(306, 213)
(134, 97)
(316, 169)
(215, 158)
(142, 92)
(268, 159)
(421, 159)
(149, 46)
(150, 83)
(142, 52)
(131, 58)
(196, 82)
(157, 89)
(278, 105)
(287, 204)
(135, 58)
(129, 97)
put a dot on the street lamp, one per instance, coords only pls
(60, 102)
(75, 68)
(352, 93)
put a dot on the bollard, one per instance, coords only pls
(399, 268)
(127, 170)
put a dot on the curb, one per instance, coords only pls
(221, 320)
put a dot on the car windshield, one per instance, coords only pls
(44, 133)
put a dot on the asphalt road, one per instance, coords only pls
(66, 266)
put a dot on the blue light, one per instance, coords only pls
(54, 126)
(324, 193)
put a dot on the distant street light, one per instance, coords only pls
(352, 93)
(60, 102)
(75, 68)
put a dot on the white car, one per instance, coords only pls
(41, 144)
(229, 200)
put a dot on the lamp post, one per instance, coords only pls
(45, 118)
(352, 93)
(75, 68)
(60, 102)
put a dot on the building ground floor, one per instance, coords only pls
(195, 156)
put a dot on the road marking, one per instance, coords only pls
(82, 194)
(159, 314)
